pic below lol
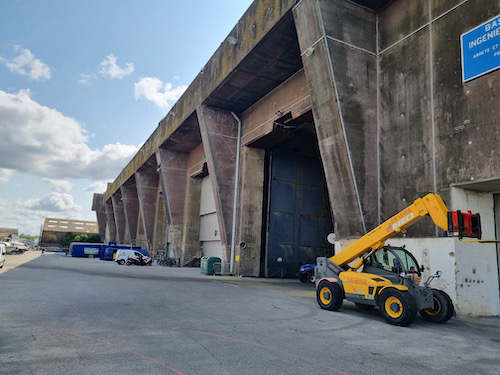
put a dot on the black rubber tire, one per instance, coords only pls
(304, 278)
(451, 310)
(128, 263)
(336, 296)
(364, 307)
(409, 307)
(443, 308)
(121, 262)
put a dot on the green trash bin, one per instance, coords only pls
(207, 265)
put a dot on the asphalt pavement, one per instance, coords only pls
(62, 315)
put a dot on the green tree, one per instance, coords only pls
(28, 237)
(79, 237)
(67, 239)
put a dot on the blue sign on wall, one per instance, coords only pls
(481, 49)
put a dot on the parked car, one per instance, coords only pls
(2, 255)
(306, 273)
(122, 256)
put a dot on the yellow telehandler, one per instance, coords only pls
(371, 274)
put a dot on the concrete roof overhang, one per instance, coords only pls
(220, 79)
(259, 53)
(373, 4)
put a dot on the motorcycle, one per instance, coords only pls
(139, 261)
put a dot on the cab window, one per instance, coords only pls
(407, 261)
(383, 259)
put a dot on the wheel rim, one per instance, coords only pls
(393, 307)
(325, 295)
(437, 307)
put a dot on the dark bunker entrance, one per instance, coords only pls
(297, 216)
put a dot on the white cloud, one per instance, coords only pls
(26, 64)
(97, 187)
(163, 95)
(53, 202)
(60, 186)
(28, 216)
(85, 78)
(110, 69)
(5, 174)
(40, 140)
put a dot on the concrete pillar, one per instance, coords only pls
(131, 208)
(181, 196)
(140, 239)
(219, 132)
(251, 201)
(119, 213)
(191, 230)
(161, 223)
(338, 45)
(100, 211)
(173, 178)
(147, 190)
(110, 221)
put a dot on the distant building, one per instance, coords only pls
(8, 232)
(53, 230)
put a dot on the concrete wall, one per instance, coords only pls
(431, 125)
(468, 274)
(392, 118)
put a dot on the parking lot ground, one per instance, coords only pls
(13, 261)
(63, 315)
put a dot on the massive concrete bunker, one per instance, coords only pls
(317, 116)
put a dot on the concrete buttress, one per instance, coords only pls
(119, 217)
(219, 132)
(173, 179)
(110, 222)
(338, 47)
(100, 211)
(147, 192)
(131, 208)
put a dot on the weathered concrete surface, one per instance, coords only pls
(345, 132)
(400, 19)
(119, 213)
(477, 275)
(405, 128)
(355, 74)
(141, 239)
(467, 115)
(110, 234)
(191, 230)
(292, 96)
(219, 132)
(100, 211)
(59, 320)
(161, 223)
(174, 179)
(147, 192)
(251, 206)
(131, 208)
(260, 17)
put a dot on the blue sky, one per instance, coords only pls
(83, 84)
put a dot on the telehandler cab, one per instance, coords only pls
(390, 277)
